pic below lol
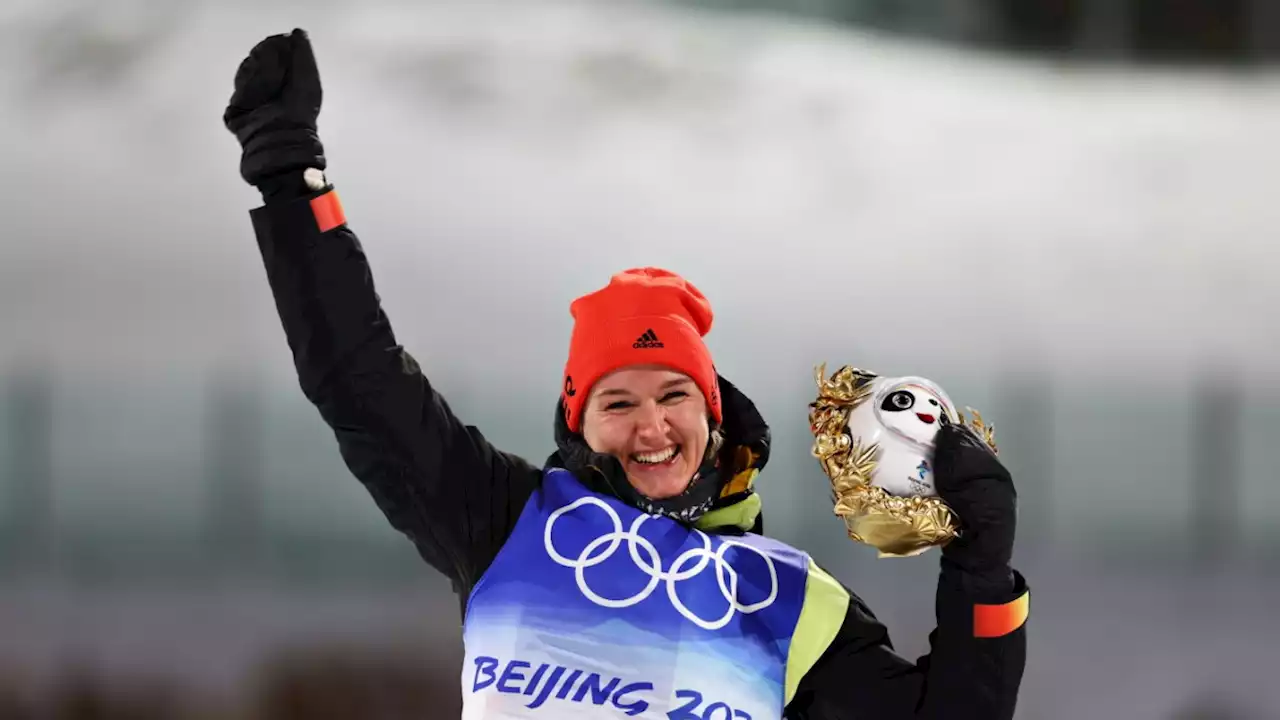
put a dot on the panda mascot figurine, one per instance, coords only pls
(873, 436)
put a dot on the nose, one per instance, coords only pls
(651, 420)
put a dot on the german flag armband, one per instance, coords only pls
(993, 621)
(327, 210)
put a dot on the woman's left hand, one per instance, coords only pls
(978, 488)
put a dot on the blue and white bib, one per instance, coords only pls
(594, 609)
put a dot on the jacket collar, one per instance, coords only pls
(724, 497)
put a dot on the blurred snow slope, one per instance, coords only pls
(500, 157)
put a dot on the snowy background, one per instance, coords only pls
(1083, 251)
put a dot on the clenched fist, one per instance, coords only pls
(274, 107)
(979, 489)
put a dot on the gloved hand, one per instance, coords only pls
(274, 107)
(979, 490)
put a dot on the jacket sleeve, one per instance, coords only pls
(973, 670)
(437, 480)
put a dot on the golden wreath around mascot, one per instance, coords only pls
(873, 436)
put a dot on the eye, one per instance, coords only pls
(618, 405)
(675, 395)
(898, 401)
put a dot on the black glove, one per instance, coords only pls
(979, 490)
(274, 108)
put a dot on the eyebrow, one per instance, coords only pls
(665, 386)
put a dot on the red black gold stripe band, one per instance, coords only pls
(328, 211)
(993, 621)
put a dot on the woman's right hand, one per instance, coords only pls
(274, 107)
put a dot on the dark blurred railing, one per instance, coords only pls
(240, 522)
(1218, 31)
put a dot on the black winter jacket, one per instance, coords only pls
(457, 497)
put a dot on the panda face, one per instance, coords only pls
(912, 410)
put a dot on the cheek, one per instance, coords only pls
(691, 422)
(605, 434)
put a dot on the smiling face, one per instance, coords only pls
(912, 410)
(652, 419)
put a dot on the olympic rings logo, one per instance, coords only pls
(689, 564)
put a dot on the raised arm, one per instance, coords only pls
(973, 670)
(438, 481)
(978, 649)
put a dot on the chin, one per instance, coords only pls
(665, 491)
(662, 488)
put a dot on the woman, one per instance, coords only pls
(626, 576)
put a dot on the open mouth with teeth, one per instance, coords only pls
(660, 458)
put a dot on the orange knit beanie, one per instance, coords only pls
(644, 316)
